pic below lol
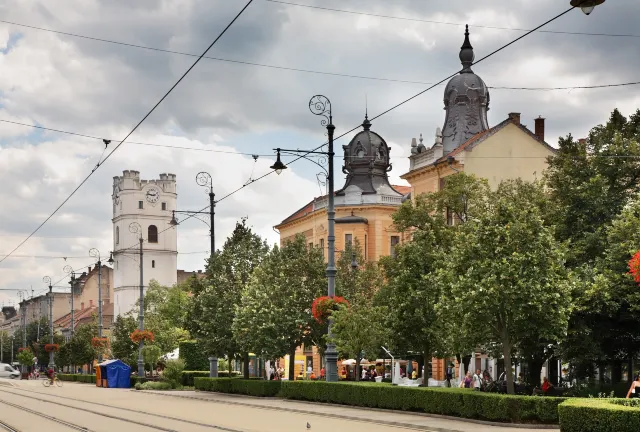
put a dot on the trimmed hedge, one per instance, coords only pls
(238, 386)
(443, 401)
(598, 415)
(188, 376)
(194, 356)
(91, 379)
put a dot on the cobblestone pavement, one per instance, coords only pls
(27, 406)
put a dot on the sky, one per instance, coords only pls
(226, 109)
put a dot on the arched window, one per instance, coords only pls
(152, 234)
(117, 235)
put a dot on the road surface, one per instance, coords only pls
(27, 406)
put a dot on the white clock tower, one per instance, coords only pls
(142, 207)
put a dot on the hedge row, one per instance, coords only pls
(238, 386)
(443, 401)
(188, 376)
(91, 379)
(598, 415)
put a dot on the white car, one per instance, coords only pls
(7, 371)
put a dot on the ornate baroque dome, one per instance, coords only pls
(466, 100)
(366, 162)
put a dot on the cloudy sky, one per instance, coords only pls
(226, 107)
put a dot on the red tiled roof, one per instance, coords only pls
(83, 314)
(308, 208)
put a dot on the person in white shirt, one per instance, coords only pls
(477, 381)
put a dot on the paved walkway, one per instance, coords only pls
(391, 418)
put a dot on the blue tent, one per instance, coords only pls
(116, 374)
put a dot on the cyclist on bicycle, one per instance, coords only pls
(51, 374)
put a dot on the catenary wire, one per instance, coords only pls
(310, 71)
(446, 22)
(132, 130)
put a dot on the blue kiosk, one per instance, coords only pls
(113, 374)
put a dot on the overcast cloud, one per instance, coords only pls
(102, 90)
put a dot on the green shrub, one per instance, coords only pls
(88, 379)
(444, 401)
(194, 356)
(173, 372)
(154, 385)
(238, 386)
(188, 376)
(598, 415)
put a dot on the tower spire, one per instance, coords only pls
(466, 53)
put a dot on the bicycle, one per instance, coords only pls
(48, 382)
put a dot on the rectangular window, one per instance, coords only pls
(348, 239)
(449, 217)
(394, 242)
(153, 263)
(322, 246)
(164, 206)
(140, 204)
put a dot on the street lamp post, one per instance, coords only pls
(205, 180)
(95, 253)
(321, 106)
(69, 270)
(47, 280)
(135, 228)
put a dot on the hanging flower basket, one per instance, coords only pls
(52, 348)
(22, 349)
(141, 335)
(99, 343)
(634, 266)
(323, 306)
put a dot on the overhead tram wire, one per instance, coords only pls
(132, 130)
(344, 11)
(309, 71)
(129, 142)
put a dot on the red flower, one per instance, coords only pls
(51, 347)
(634, 266)
(322, 306)
(141, 335)
(97, 342)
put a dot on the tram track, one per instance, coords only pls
(6, 427)
(225, 429)
(176, 419)
(39, 414)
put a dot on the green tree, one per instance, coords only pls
(25, 357)
(166, 314)
(413, 291)
(80, 348)
(274, 315)
(121, 345)
(506, 273)
(150, 355)
(359, 330)
(215, 299)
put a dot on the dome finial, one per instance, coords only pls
(366, 124)
(466, 53)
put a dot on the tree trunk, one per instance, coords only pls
(535, 369)
(420, 361)
(358, 372)
(466, 360)
(230, 364)
(601, 372)
(630, 376)
(616, 371)
(245, 366)
(426, 358)
(506, 351)
(292, 364)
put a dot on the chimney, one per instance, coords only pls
(540, 128)
(515, 118)
(82, 306)
(90, 303)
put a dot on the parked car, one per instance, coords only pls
(7, 371)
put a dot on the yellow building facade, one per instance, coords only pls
(364, 206)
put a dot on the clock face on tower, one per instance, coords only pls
(153, 195)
